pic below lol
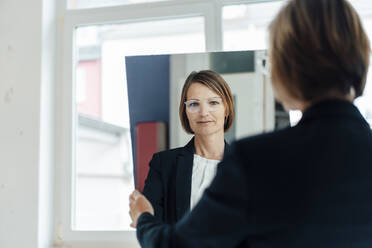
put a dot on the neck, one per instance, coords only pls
(210, 146)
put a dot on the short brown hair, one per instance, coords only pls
(318, 47)
(216, 83)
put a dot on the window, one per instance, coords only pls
(103, 170)
(245, 25)
(95, 169)
(93, 146)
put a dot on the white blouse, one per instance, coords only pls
(203, 172)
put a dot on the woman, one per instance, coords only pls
(178, 177)
(304, 186)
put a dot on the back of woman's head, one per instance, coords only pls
(317, 48)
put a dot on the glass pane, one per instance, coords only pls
(245, 25)
(364, 103)
(104, 166)
(80, 4)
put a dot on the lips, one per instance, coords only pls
(203, 122)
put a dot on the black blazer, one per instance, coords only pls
(306, 186)
(168, 184)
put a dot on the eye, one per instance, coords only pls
(214, 102)
(193, 104)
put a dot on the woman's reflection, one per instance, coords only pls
(178, 177)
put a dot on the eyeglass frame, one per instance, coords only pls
(210, 109)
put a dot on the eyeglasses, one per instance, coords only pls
(212, 104)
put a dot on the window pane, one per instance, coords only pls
(364, 103)
(103, 169)
(80, 4)
(245, 25)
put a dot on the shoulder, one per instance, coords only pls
(255, 156)
(269, 137)
(271, 143)
(169, 154)
(166, 160)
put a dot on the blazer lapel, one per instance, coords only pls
(185, 162)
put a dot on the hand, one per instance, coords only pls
(138, 205)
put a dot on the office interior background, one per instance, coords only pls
(66, 159)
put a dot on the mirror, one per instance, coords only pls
(154, 89)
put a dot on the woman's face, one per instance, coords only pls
(205, 110)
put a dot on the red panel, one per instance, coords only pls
(146, 146)
(151, 137)
(92, 106)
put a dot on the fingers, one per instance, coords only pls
(135, 194)
(131, 197)
(136, 206)
(132, 205)
(133, 224)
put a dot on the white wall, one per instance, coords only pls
(248, 91)
(26, 122)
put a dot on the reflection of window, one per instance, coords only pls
(245, 25)
(103, 170)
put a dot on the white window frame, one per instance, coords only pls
(68, 19)
(66, 123)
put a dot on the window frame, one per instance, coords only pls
(67, 21)
(66, 122)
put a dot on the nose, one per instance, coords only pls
(204, 110)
